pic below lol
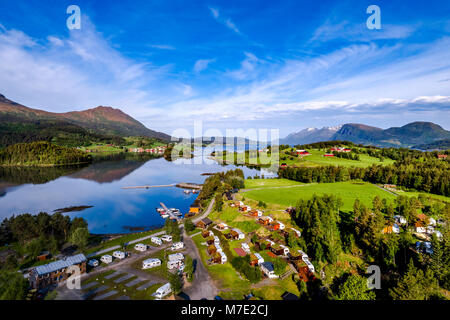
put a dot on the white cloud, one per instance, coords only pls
(225, 21)
(202, 64)
(162, 46)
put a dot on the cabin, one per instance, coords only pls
(156, 240)
(106, 259)
(265, 220)
(277, 250)
(175, 260)
(442, 156)
(44, 255)
(285, 249)
(205, 233)
(210, 240)
(194, 209)
(211, 249)
(240, 234)
(245, 247)
(55, 272)
(151, 263)
(255, 213)
(268, 269)
(391, 229)
(233, 235)
(163, 291)
(256, 259)
(119, 254)
(219, 257)
(204, 223)
(303, 153)
(328, 155)
(222, 226)
(177, 246)
(245, 208)
(166, 238)
(420, 227)
(276, 225)
(140, 247)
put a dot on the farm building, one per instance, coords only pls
(56, 272)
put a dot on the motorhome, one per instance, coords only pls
(163, 291)
(151, 263)
(156, 240)
(106, 259)
(93, 263)
(140, 247)
(177, 246)
(175, 260)
(166, 238)
(119, 254)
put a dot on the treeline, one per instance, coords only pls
(346, 155)
(41, 153)
(430, 176)
(221, 182)
(324, 145)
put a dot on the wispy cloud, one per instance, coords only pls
(202, 64)
(225, 21)
(162, 46)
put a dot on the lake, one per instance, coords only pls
(97, 190)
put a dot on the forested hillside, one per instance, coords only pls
(41, 154)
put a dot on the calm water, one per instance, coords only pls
(99, 185)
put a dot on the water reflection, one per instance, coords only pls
(97, 189)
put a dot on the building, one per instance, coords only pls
(222, 226)
(256, 259)
(240, 234)
(204, 223)
(277, 250)
(245, 247)
(297, 232)
(442, 156)
(44, 255)
(265, 220)
(56, 272)
(268, 269)
(211, 249)
(400, 219)
(194, 209)
(328, 155)
(210, 240)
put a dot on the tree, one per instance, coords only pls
(175, 283)
(13, 286)
(80, 237)
(355, 288)
(189, 226)
(218, 202)
(189, 268)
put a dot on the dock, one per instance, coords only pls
(172, 216)
(146, 187)
(189, 186)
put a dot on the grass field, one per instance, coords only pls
(289, 195)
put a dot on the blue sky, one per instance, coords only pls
(286, 65)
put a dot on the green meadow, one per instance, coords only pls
(288, 195)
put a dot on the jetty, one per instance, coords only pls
(146, 187)
(169, 212)
(189, 186)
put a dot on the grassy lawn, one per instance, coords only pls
(160, 271)
(348, 191)
(261, 183)
(235, 219)
(121, 288)
(416, 194)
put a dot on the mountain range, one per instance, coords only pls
(409, 135)
(19, 123)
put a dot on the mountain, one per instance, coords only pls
(18, 121)
(406, 136)
(310, 135)
(415, 133)
(436, 145)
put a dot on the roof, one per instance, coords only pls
(206, 221)
(176, 256)
(268, 265)
(60, 264)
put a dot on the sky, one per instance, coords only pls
(284, 65)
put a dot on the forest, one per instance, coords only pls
(41, 154)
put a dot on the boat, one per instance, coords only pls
(186, 191)
(164, 215)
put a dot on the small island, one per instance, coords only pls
(41, 154)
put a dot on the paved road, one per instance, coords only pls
(206, 213)
(127, 243)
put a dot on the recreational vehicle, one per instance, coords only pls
(93, 263)
(119, 254)
(151, 263)
(156, 240)
(140, 247)
(175, 260)
(106, 259)
(163, 291)
(177, 246)
(166, 238)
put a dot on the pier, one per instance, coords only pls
(169, 212)
(146, 187)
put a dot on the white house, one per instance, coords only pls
(156, 240)
(119, 254)
(177, 246)
(223, 258)
(166, 238)
(246, 247)
(93, 263)
(285, 249)
(268, 270)
(151, 263)
(299, 234)
(140, 247)
(106, 259)
(175, 260)
(241, 235)
(400, 219)
(163, 291)
(260, 258)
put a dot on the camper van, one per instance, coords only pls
(140, 247)
(177, 246)
(156, 240)
(151, 263)
(106, 259)
(119, 254)
(166, 238)
(175, 260)
(93, 263)
(163, 291)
